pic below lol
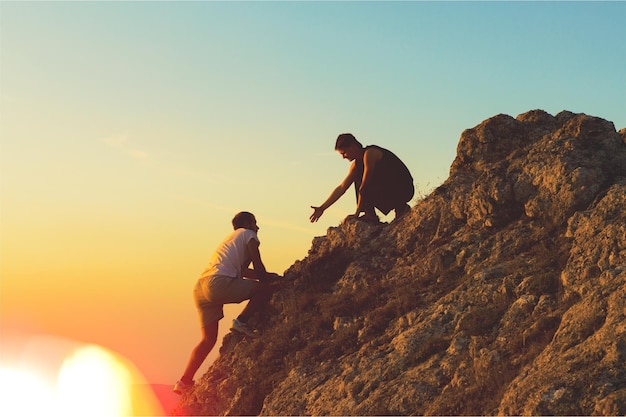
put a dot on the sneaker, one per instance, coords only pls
(241, 327)
(180, 387)
(401, 212)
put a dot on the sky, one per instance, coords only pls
(132, 132)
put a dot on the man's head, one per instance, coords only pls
(348, 147)
(346, 140)
(246, 220)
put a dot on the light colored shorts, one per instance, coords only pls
(211, 293)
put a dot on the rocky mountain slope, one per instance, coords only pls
(502, 292)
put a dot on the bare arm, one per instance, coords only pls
(258, 272)
(370, 158)
(334, 196)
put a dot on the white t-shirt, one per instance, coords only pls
(231, 255)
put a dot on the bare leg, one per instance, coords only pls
(256, 303)
(200, 352)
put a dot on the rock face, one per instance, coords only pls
(502, 292)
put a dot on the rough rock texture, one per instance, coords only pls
(502, 292)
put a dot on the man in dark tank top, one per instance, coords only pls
(380, 178)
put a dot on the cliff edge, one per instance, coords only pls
(502, 292)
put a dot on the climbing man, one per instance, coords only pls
(223, 282)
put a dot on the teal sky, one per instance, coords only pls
(132, 132)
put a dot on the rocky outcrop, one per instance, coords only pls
(502, 292)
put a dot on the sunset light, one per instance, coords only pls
(131, 133)
(93, 379)
(90, 381)
(18, 391)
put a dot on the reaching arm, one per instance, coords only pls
(334, 196)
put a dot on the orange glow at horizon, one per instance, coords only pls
(57, 377)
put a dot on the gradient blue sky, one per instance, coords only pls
(131, 132)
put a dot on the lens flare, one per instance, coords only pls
(24, 394)
(95, 380)
(57, 377)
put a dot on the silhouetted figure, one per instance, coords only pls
(380, 178)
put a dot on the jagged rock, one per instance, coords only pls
(502, 292)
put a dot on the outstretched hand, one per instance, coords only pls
(317, 213)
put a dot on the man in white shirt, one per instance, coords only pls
(223, 282)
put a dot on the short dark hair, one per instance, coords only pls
(241, 219)
(345, 140)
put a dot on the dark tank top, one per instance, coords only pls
(389, 169)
